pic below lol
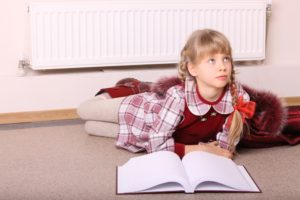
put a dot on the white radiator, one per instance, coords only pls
(114, 33)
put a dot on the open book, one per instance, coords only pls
(164, 171)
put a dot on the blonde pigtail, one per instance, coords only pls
(182, 66)
(181, 70)
(237, 126)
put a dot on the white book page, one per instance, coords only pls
(145, 172)
(213, 186)
(248, 178)
(202, 167)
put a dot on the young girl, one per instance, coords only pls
(206, 111)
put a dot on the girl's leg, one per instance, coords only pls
(104, 129)
(100, 109)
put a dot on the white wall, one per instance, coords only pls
(58, 90)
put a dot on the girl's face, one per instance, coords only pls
(212, 72)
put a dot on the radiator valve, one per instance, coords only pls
(23, 64)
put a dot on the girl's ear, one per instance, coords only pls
(191, 69)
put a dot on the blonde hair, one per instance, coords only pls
(207, 42)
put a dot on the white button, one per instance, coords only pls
(213, 114)
(203, 119)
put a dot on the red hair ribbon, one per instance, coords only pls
(246, 109)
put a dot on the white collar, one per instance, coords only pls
(200, 108)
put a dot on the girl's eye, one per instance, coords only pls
(211, 60)
(226, 59)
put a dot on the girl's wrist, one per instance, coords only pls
(193, 147)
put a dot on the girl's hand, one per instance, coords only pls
(211, 147)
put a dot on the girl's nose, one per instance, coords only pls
(222, 66)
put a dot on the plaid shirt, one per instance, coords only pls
(147, 122)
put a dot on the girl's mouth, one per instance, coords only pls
(223, 77)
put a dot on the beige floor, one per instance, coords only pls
(58, 160)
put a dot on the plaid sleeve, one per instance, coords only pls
(165, 122)
(222, 137)
(147, 123)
